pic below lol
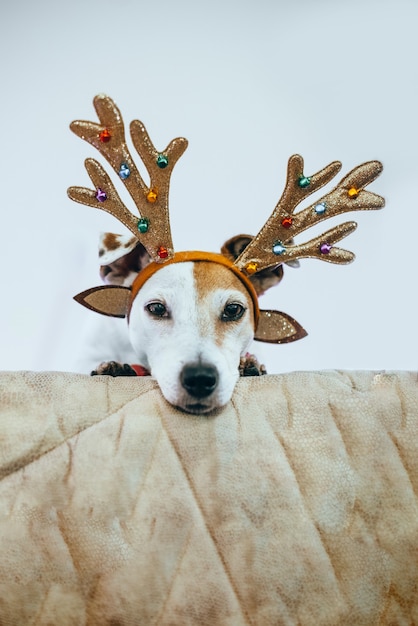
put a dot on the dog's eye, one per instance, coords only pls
(232, 312)
(158, 309)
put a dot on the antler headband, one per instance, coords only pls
(272, 246)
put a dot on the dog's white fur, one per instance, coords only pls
(103, 339)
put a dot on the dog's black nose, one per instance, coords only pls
(199, 380)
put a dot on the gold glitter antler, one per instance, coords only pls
(152, 227)
(273, 244)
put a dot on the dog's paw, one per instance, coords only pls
(113, 368)
(249, 366)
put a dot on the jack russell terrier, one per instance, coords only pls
(191, 325)
(192, 315)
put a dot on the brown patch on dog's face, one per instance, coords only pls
(218, 287)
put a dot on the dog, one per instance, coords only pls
(192, 315)
(190, 326)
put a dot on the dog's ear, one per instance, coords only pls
(121, 258)
(262, 280)
(107, 299)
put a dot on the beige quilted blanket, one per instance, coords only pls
(295, 505)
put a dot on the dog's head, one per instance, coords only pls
(189, 321)
(189, 325)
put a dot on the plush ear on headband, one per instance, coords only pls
(111, 300)
(278, 327)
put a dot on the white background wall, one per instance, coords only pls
(249, 83)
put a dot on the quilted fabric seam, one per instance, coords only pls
(208, 530)
(282, 445)
(15, 467)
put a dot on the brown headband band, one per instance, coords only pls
(195, 255)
